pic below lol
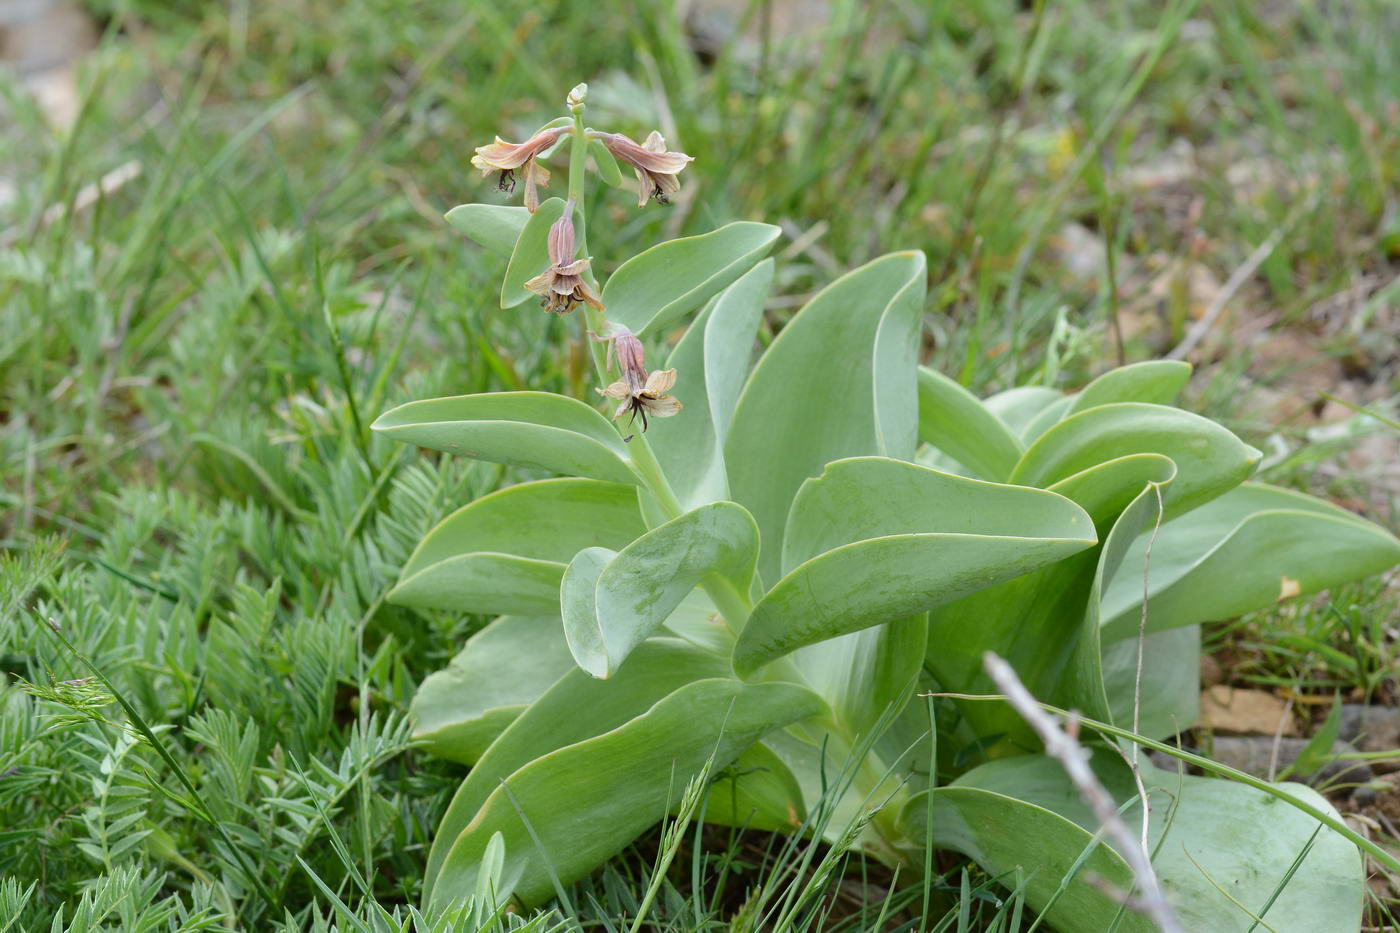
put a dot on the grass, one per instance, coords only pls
(188, 493)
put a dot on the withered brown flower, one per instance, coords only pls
(561, 286)
(656, 168)
(508, 158)
(640, 393)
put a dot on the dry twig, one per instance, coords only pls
(1075, 759)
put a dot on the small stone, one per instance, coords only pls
(1370, 728)
(1255, 754)
(1245, 712)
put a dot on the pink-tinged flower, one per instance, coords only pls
(561, 286)
(508, 158)
(656, 168)
(640, 393)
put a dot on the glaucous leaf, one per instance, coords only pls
(459, 710)
(658, 285)
(612, 602)
(1046, 624)
(587, 801)
(956, 422)
(576, 708)
(530, 256)
(873, 540)
(1018, 407)
(838, 381)
(1246, 550)
(495, 227)
(533, 429)
(1171, 681)
(492, 555)
(1218, 833)
(713, 361)
(604, 162)
(1209, 459)
(1156, 381)
(757, 791)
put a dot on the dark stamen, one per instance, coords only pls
(506, 182)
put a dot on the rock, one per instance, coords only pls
(1245, 712)
(1372, 729)
(1254, 754)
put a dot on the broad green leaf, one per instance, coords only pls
(604, 162)
(893, 539)
(576, 708)
(957, 423)
(531, 254)
(656, 286)
(1046, 624)
(758, 791)
(1155, 381)
(1104, 490)
(459, 710)
(1171, 681)
(861, 674)
(838, 381)
(492, 554)
(1002, 834)
(1219, 833)
(618, 784)
(533, 429)
(1209, 459)
(1018, 407)
(493, 226)
(713, 361)
(1247, 550)
(1045, 419)
(611, 603)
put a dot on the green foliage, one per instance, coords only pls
(833, 577)
(175, 407)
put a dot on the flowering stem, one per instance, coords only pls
(733, 606)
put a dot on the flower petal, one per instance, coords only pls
(662, 406)
(660, 382)
(618, 389)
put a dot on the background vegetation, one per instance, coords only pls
(193, 350)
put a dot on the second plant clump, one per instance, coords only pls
(766, 583)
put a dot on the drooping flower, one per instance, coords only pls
(640, 393)
(655, 167)
(561, 286)
(508, 158)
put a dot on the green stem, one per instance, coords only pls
(733, 606)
